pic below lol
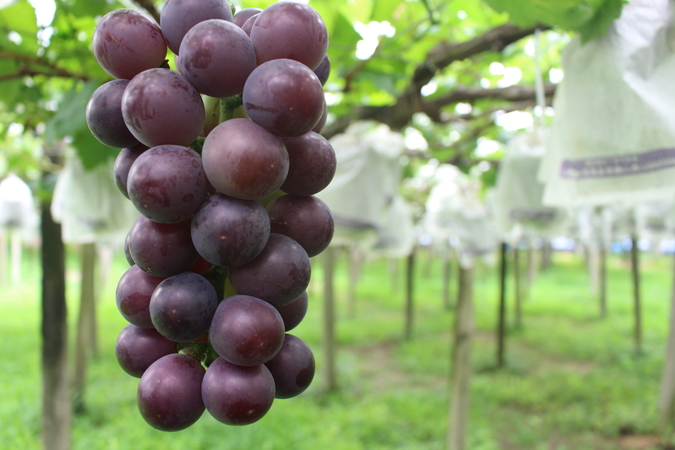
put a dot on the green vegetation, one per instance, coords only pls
(571, 382)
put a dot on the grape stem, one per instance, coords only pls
(228, 105)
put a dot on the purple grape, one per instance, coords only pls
(133, 293)
(125, 158)
(230, 232)
(290, 30)
(312, 164)
(246, 331)
(182, 306)
(169, 393)
(322, 121)
(104, 115)
(178, 16)
(126, 42)
(305, 219)
(278, 275)
(293, 313)
(241, 16)
(284, 96)
(323, 70)
(127, 251)
(292, 367)
(237, 395)
(167, 183)
(136, 348)
(162, 249)
(243, 160)
(160, 107)
(248, 25)
(216, 57)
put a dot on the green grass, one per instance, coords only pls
(571, 382)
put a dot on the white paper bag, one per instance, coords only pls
(613, 134)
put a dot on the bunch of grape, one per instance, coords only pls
(222, 157)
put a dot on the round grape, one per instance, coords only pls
(137, 348)
(104, 115)
(182, 306)
(230, 232)
(133, 293)
(217, 57)
(278, 275)
(292, 367)
(167, 183)
(284, 96)
(126, 42)
(160, 107)
(169, 393)
(246, 331)
(178, 16)
(243, 160)
(312, 164)
(290, 30)
(237, 395)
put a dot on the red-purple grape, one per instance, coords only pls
(178, 16)
(323, 70)
(169, 393)
(312, 164)
(305, 219)
(162, 249)
(125, 158)
(216, 57)
(278, 275)
(237, 395)
(160, 107)
(126, 42)
(293, 313)
(182, 306)
(137, 348)
(290, 30)
(284, 96)
(246, 331)
(230, 232)
(133, 293)
(167, 183)
(241, 16)
(292, 367)
(104, 115)
(243, 160)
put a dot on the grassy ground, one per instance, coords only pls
(571, 382)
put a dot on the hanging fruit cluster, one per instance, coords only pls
(222, 158)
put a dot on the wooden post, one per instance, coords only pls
(637, 306)
(56, 402)
(602, 279)
(409, 291)
(86, 323)
(517, 288)
(447, 272)
(667, 396)
(460, 378)
(329, 320)
(354, 257)
(501, 320)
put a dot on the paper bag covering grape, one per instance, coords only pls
(613, 135)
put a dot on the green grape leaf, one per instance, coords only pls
(70, 117)
(90, 151)
(603, 18)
